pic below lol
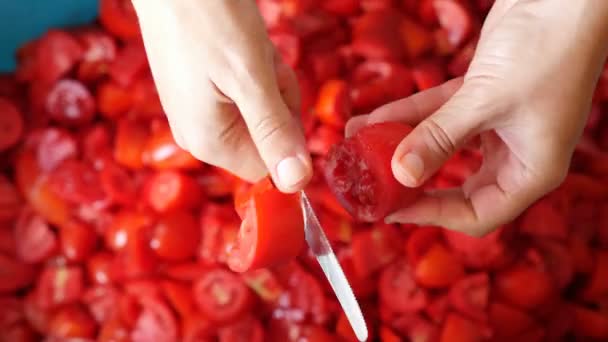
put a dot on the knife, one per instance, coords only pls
(319, 245)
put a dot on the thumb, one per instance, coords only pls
(435, 139)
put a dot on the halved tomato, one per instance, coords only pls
(221, 295)
(272, 230)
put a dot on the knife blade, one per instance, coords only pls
(319, 245)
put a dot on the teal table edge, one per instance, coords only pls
(23, 20)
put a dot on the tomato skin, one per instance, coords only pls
(70, 103)
(268, 216)
(76, 182)
(113, 100)
(246, 330)
(156, 322)
(130, 62)
(221, 296)
(57, 53)
(78, 240)
(438, 267)
(524, 286)
(398, 291)
(11, 124)
(597, 285)
(458, 328)
(99, 268)
(72, 322)
(14, 275)
(544, 221)
(507, 320)
(129, 143)
(176, 236)
(374, 249)
(368, 192)
(119, 18)
(59, 285)
(455, 19)
(161, 152)
(333, 107)
(172, 190)
(470, 296)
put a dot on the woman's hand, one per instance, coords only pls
(527, 93)
(230, 100)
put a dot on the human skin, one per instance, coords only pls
(232, 103)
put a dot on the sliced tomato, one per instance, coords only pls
(333, 107)
(156, 322)
(129, 143)
(180, 297)
(455, 19)
(544, 221)
(113, 330)
(185, 271)
(102, 301)
(119, 18)
(11, 124)
(248, 329)
(470, 296)
(146, 103)
(220, 226)
(420, 241)
(488, 252)
(416, 327)
(428, 74)
(218, 183)
(117, 184)
(590, 323)
(35, 241)
(375, 248)
(78, 240)
(524, 285)
(264, 283)
(458, 328)
(99, 50)
(113, 100)
(222, 296)
(124, 228)
(304, 298)
(322, 139)
(374, 35)
(325, 66)
(197, 328)
(507, 320)
(342, 7)
(161, 152)
(171, 190)
(76, 182)
(438, 267)
(359, 172)
(379, 82)
(268, 216)
(72, 321)
(438, 308)
(53, 146)
(15, 275)
(130, 62)
(417, 39)
(398, 291)
(558, 261)
(287, 45)
(597, 286)
(57, 53)
(99, 268)
(59, 285)
(176, 236)
(36, 316)
(70, 103)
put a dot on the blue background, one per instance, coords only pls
(22, 20)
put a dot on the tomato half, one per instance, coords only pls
(272, 230)
(221, 295)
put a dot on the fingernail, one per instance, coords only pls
(291, 171)
(412, 168)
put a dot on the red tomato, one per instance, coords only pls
(248, 329)
(416, 327)
(114, 330)
(264, 283)
(597, 286)
(416, 38)
(490, 251)
(544, 221)
(69, 102)
(36, 316)
(333, 107)
(72, 321)
(78, 240)
(326, 65)
(185, 271)
(10, 200)
(119, 18)
(428, 74)
(176, 236)
(129, 144)
(221, 295)
(197, 328)
(15, 275)
(524, 285)
(220, 227)
(322, 139)
(156, 322)
(130, 62)
(11, 124)
(18, 332)
(507, 320)
(398, 291)
(363, 181)
(180, 296)
(99, 51)
(113, 100)
(35, 241)
(342, 7)
(218, 183)
(102, 301)
(345, 330)
(470, 296)
(54, 146)
(304, 298)
(125, 227)
(268, 216)
(76, 182)
(455, 19)
(419, 242)
(11, 311)
(387, 335)
(59, 285)
(117, 184)
(374, 35)
(288, 46)
(146, 103)
(558, 262)
(99, 268)
(459, 64)
(161, 152)
(459, 329)
(438, 267)
(438, 308)
(171, 190)
(57, 53)
(589, 323)
(378, 82)
(375, 248)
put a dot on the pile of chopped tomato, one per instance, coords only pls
(110, 232)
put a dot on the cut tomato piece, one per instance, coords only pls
(114, 330)
(156, 322)
(171, 190)
(287, 45)
(378, 82)
(78, 240)
(248, 329)
(375, 248)
(113, 100)
(99, 51)
(53, 146)
(269, 216)
(333, 107)
(438, 308)
(99, 268)
(488, 252)
(129, 143)
(10, 200)
(589, 323)
(416, 327)
(459, 64)
(420, 241)
(176, 236)
(416, 38)
(185, 271)
(558, 262)
(398, 291)
(102, 301)
(72, 321)
(322, 139)
(304, 298)
(119, 18)
(197, 328)
(345, 330)
(524, 285)
(359, 172)
(117, 184)
(455, 19)
(57, 53)
(264, 283)
(374, 35)
(19, 331)
(507, 321)
(59, 285)
(459, 329)
(69, 102)
(11, 124)
(597, 287)
(76, 182)
(146, 103)
(130, 62)
(544, 221)
(470, 296)
(161, 152)
(218, 183)
(35, 241)
(15, 275)
(428, 74)
(220, 227)
(124, 228)
(222, 296)
(180, 296)
(438, 267)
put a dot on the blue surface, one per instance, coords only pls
(22, 20)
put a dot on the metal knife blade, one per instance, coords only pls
(318, 243)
